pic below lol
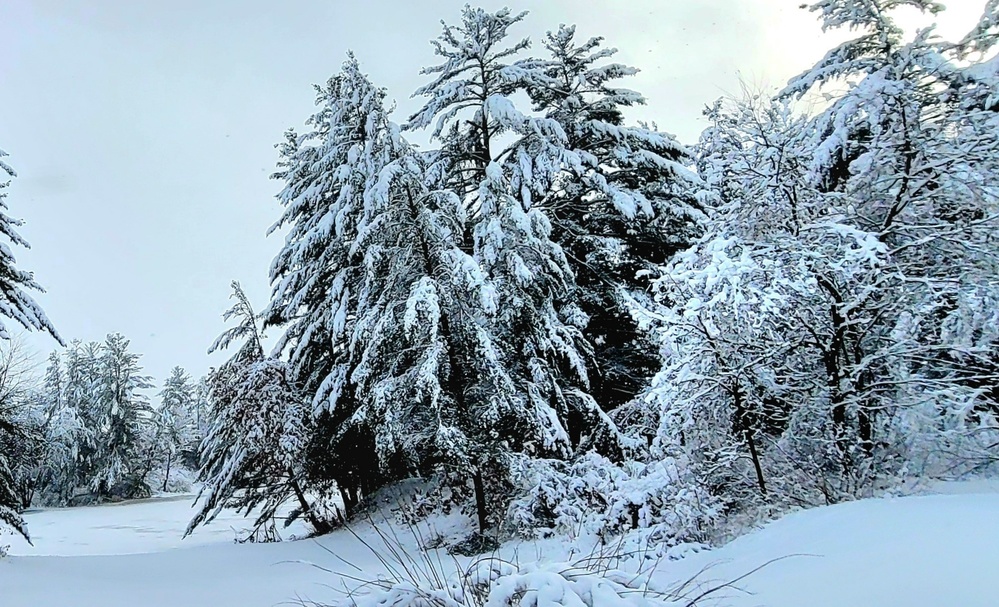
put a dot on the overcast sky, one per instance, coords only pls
(143, 132)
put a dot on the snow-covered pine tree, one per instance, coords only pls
(172, 423)
(254, 452)
(18, 306)
(430, 383)
(56, 474)
(619, 197)
(81, 394)
(122, 414)
(397, 242)
(471, 104)
(200, 418)
(542, 344)
(317, 274)
(537, 326)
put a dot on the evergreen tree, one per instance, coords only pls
(620, 200)
(200, 423)
(545, 407)
(469, 102)
(56, 475)
(539, 322)
(540, 335)
(253, 453)
(315, 275)
(318, 274)
(430, 380)
(122, 413)
(18, 306)
(172, 422)
(82, 383)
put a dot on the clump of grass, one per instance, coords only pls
(417, 577)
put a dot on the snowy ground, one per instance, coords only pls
(921, 551)
(926, 551)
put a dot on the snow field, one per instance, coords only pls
(924, 551)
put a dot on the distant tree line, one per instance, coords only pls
(88, 433)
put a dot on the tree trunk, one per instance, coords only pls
(349, 502)
(321, 527)
(480, 500)
(166, 479)
(747, 430)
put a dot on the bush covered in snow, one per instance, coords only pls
(595, 496)
(609, 576)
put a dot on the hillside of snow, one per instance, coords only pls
(923, 551)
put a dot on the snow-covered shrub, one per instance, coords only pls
(595, 496)
(496, 583)
(608, 577)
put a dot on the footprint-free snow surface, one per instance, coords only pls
(924, 551)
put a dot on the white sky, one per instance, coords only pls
(143, 132)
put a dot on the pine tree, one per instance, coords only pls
(539, 332)
(620, 199)
(200, 420)
(315, 275)
(469, 103)
(172, 422)
(57, 473)
(17, 305)
(253, 453)
(122, 415)
(318, 274)
(512, 239)
(429, 382)
(81, 393)
(546, 407)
